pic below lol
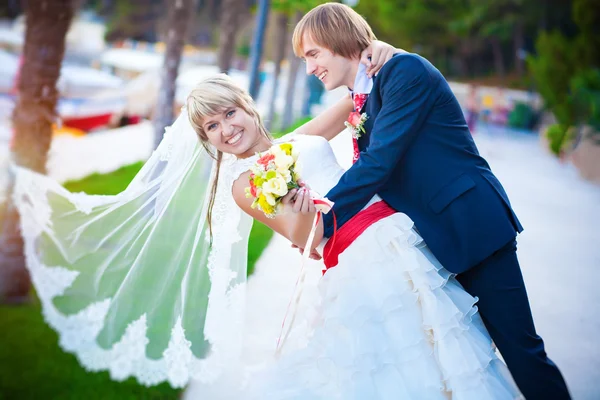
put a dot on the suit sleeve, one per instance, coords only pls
(407, 89)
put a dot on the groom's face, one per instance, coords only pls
(332, 69)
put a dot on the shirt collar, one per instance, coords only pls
(362, 82)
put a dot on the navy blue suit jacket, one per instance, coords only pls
(419, 156)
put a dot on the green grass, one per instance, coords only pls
(32, 365)
(109, 184)
(298, 123)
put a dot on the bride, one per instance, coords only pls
(151, 283)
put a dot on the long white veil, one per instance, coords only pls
(130, 282)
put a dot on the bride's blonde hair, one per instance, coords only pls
(213, 96)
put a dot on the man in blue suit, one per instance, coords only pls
(417, 154)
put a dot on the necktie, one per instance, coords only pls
(359, 100)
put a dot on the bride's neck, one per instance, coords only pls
(262, 144)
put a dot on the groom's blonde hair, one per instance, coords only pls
(336, 27)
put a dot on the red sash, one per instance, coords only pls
(352, 230)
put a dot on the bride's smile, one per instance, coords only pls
(234, 131)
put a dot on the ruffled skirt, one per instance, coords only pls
(390, 323)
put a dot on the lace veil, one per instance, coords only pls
(131, 282)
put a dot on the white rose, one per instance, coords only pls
(283, 161)
(286, 175)
(270, 198)
(275, 186)
(276, 150)
(298, 171)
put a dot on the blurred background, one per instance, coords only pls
(87, 88)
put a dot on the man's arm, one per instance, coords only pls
(329, 123)
(407, 99)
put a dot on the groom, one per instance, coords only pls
(417, 154)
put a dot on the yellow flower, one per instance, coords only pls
(270, 175)
(287, 147)
(258, 181)
(264, 204)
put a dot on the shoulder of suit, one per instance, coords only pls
(406, 62)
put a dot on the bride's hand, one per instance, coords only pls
(379, 53)
(299, 201)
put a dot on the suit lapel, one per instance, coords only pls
(363, 141)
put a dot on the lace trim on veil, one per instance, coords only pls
(223, 328)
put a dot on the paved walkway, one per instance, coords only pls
(559, 251)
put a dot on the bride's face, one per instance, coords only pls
(233, 131)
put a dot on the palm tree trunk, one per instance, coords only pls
(288, 115)
(282, 39)
(47, 23)
(178, 20)
(498, 57)
(229, 24)
(519, 43)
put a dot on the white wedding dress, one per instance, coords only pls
(388, 322)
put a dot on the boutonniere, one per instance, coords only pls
(356, 123)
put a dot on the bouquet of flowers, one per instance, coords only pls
(273, 175)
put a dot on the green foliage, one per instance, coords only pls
(421, 25)
(487, 19)
(585, 88)
(586, 15)
(117, 23)
(566, 71)
(552, 69)
(291, 6)
(522, 116)
(243, 50)
(558, 137)
(584, 102)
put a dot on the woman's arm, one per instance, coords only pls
(376, 55)
(295, 226)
